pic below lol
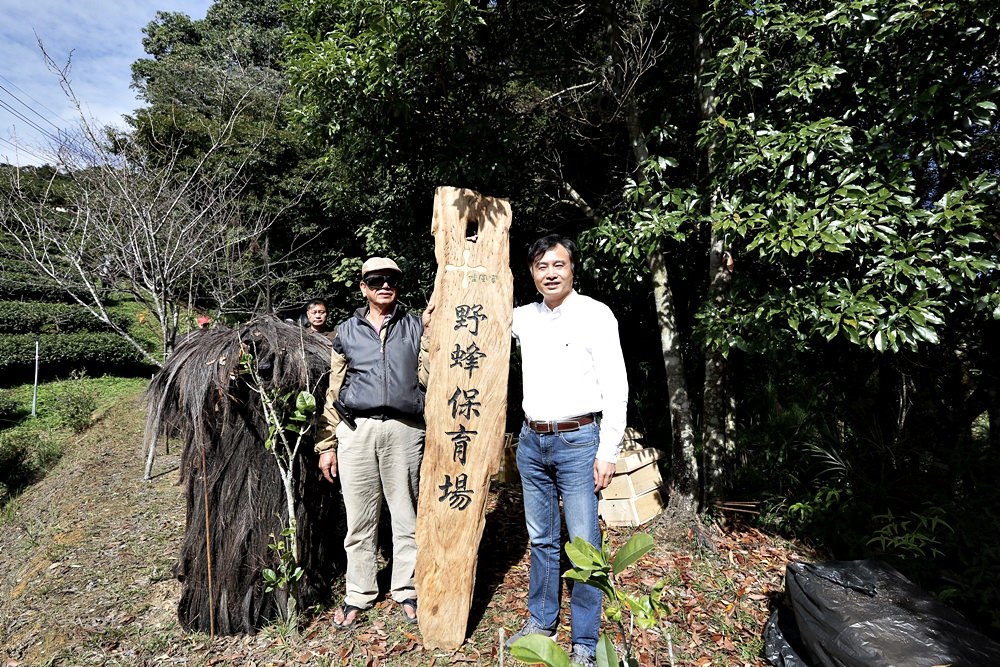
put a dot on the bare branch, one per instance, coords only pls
(134, 220)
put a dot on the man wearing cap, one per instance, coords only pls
(575, 397)
(371, 436)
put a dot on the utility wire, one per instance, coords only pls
(30, 122)
(28, 95)
(21, 149)
(26, 105)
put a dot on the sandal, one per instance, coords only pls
(346, 610)
(412, 604)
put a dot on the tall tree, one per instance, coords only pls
(196, 73)
(557, 120)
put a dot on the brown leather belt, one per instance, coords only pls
(562, 425)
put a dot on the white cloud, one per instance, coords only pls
(101, 37)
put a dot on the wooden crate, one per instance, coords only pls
(634, 483)
(632, 511)
(635, 459)
(632, 440)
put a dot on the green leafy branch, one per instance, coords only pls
(596, 567)
(288, 573)
(286, 414)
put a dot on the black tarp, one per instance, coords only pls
(865, 613)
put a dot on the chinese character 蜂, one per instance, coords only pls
(467, 358)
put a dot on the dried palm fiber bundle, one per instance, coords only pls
(235, 500)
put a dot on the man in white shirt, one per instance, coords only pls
(575, 396)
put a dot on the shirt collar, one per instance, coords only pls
(558, 309)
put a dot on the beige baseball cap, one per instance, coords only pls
(373, 264)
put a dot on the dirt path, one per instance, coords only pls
(89, 551)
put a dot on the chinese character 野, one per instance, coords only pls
(460, 439)
(469, 317)
(467, 358)
(460, 497)
(463, 402)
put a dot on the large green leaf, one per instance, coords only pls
(639, 545)
(606, 654)
(539, 650)
(584, 555)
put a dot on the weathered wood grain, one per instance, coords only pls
(466, 404)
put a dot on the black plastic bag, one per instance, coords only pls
(865, 613)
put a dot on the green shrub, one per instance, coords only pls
(23, 317)
(16, 467)
(8, 408)
(46, 452)
(25, 455)
(74, 403)
(75, 350)
(18, 282)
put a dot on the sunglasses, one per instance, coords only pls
(377, 282)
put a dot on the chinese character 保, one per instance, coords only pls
(469, 405)
(469, 317)
(467, 358)
(460, 439)
(460, 497)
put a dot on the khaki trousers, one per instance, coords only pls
(380, 459)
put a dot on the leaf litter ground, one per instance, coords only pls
(88, 554)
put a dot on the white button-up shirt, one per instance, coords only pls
(572, 365)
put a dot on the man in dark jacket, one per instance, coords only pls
(375, 442)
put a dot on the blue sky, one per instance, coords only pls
(104, 38)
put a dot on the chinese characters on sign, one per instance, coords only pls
(469, 317)
(464, 404)
(460, 497)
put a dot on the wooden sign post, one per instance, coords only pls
(466, 404)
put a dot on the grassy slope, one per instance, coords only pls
(90, 549)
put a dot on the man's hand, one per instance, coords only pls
(603, 472)
(328, 464)
(425, 319)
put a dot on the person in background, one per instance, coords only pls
(575, 397)
(316, 314)
(371, 436)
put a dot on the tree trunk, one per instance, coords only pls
(717, 440)
(683, 484)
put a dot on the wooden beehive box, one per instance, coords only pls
(632, 440)
(632, 511)
(634, 495)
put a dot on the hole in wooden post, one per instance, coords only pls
(472, 231)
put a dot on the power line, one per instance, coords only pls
(27, 106)
(21, 149)
(28, 95)
(30, 122)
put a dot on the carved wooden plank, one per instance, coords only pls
(466, 404)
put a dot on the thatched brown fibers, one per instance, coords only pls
(200, 394)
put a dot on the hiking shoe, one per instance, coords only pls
(530, 628)
(582, 656)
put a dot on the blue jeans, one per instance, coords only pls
(552, 466)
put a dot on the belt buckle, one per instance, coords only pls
(566, 425)
(543, 427)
